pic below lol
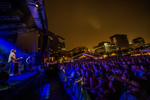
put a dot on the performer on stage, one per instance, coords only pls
(28, 61)
(12, 58)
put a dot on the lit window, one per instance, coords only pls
(50, 38)
(60, 40)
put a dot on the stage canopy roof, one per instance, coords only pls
(19, 16)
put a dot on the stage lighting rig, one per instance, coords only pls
(37, 5)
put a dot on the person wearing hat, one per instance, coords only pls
(12, 56)
(12, 59)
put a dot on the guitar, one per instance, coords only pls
(15, 59)
(29, 62)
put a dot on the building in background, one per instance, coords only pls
(104, 48)
(137, 43)
(78, 50)
(96, 49)
(52, 42)
(120, 40)
(61, 43)
(147, 45)
(56, 44)
(138, 40)
(67, 55)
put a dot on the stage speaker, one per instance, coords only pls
(3, 77)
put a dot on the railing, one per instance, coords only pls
(75, 90)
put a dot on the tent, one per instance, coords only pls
(145, 50)
(87, 54)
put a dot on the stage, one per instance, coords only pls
(28, 86)
(15, 80)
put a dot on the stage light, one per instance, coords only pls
(37, 5)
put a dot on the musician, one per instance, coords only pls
(12, 58)
(28, 61)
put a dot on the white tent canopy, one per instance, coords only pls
(145, 50)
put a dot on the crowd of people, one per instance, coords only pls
(115, 78)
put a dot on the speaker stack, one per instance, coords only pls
(4, 76)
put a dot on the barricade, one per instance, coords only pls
(76, 89)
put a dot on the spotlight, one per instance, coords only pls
(36, 5)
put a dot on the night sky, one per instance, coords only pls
(89, 22)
